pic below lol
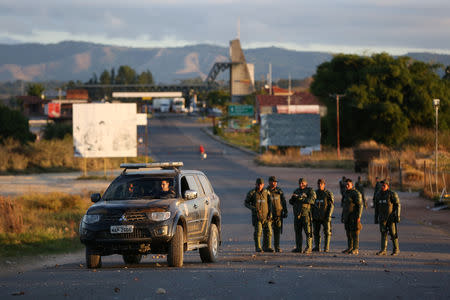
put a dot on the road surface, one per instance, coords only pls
(422, 270)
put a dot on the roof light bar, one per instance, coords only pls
(162, 165)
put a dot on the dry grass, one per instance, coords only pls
(50, 156)
(417, 163)
(291, 157)
(40, 223)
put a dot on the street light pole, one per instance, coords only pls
(436, 107)
(338, 139)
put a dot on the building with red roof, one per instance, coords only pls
(298, 103)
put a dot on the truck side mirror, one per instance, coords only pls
(190, 194)
(95, 197)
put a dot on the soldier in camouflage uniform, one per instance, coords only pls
(360, 187)
(302, 200)
(342, 188)
(259, 201)
(377, 187)
(321, 212)
(387, 214)
(279, 211)
(351, 217)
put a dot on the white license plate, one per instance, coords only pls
(122, 229)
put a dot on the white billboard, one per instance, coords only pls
(104, 130)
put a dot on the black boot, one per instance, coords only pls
(326, 246)
(316, 244)
(396, 249)
(383, 245)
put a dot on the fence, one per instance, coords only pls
(409, 178)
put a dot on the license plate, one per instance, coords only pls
(122, 229)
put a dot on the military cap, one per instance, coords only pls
(321, 180)
(301, 179)
(385, 182)
(348, 180)
(273, 179)
(259, 181)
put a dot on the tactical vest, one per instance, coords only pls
(276, 201)
(301, 208)
(321, 205)
(385, 204)
(350, 208)
(262, 204)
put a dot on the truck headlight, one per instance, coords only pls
(91, 219)
(159, 216)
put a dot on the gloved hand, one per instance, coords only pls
(284, 214)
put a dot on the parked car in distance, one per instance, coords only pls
(153, 208)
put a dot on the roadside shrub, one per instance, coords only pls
(14, 125)
(11, 215)
(13, 155)
(54, 153)
(57, 130)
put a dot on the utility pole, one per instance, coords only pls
(338, 146)
(270, 78)
(436, 107)
(289, 95)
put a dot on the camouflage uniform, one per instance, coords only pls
(360, 187)
(377, 188)
(302, 199)
(387, 214)
(260, 203)
(351, 213)
(342, 188)
(321, 212)
(279, 212)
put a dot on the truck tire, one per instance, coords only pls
(132, 259)
(176, 248)
(93, 261)
(209, 254)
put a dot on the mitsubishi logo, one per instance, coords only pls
(123, 218)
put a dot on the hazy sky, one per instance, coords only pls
(356, 26)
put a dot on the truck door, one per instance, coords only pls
(192, 207)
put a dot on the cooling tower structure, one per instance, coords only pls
(242, 74)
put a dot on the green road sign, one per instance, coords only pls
(240, 110)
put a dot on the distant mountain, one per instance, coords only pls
(79, 60)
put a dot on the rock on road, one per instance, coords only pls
(422, 270)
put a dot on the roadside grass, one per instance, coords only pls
(51, 156)
(291, 157)
(40, 223)
(246, 139)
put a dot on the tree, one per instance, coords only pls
(126, 75)
(447, 73)
(14, 124)
(383, 95)
(35, 89)
(217, 98)
(145, 77)
(105, 78)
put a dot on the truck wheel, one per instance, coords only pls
(93, 261)
(132, 259)
(209, 254)
(176, 249)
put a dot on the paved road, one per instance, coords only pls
(421, 271)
